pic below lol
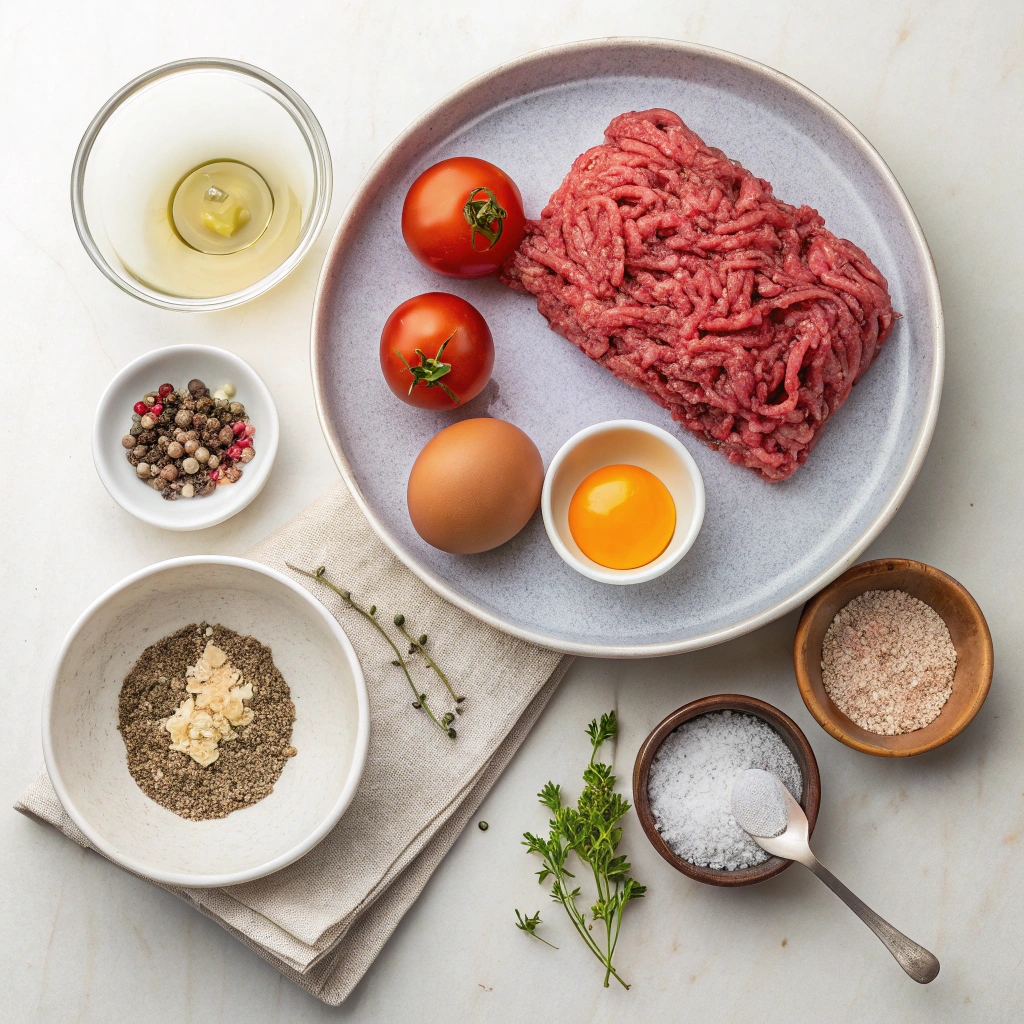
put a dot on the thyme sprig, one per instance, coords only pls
(529, 925)
(419, 645)
(590, 830)
(420, 699)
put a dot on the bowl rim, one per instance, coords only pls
(205, 881)
(364, 194)
(835, 727)
(243, 493)
(643, 573)
(320, 156)
(790, 732)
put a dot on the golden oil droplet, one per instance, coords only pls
(221, 207)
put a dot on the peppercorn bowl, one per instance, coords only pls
(86, 755)
(142, 477)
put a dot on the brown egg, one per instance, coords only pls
(474, 486)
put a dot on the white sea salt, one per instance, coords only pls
(690, 786)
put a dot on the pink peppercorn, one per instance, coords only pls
(243, 442)
(238, 427)
(157, 409)
(165, 389)
(214, 474)
(141, 408)
(250, 430)
(234, 452)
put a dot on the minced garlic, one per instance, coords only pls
(204, 721)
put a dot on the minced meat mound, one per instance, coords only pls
(678, 270)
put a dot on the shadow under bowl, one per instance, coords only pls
(788, 730)
(967, 628)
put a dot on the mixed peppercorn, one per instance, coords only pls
(186, 442)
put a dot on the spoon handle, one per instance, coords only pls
(921, 965)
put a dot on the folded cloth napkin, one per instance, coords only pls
(322, 920)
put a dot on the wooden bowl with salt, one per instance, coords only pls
(791, 735)
(967, 629)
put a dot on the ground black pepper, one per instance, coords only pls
(247, 767)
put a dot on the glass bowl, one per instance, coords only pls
(171, 121)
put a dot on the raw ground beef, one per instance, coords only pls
(679, 271)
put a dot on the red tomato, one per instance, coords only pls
(463, 217)
(436, 351)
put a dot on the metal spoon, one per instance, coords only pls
(793, 844)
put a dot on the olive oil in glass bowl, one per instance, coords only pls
(201, 184)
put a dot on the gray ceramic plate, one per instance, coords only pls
(764, 548)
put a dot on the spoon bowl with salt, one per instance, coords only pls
(763, 806)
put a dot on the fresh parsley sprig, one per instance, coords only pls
(591, 831)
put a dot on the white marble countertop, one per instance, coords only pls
(933, 843)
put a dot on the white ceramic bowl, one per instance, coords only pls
(177, 365)
(85, 755)
(632, 443)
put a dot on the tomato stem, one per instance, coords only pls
(482, 215)
(429, 371)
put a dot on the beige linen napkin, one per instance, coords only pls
(322, 920)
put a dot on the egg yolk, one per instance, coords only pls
(622, 517)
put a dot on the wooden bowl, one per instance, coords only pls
(967, 628)
(790, 732)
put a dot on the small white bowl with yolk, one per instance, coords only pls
(601, 509)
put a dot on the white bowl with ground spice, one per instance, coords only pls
(893, 658)
(206, 722)
(185, 436)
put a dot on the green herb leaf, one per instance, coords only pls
(529, 925)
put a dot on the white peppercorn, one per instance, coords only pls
(213, 463)
(247, 455)
(188, 491)
(142, 469)
(127, 441)
(175, 450)
(202, 454)
(183, 417)
(148, 422)
(191, 446)
(190, 466)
